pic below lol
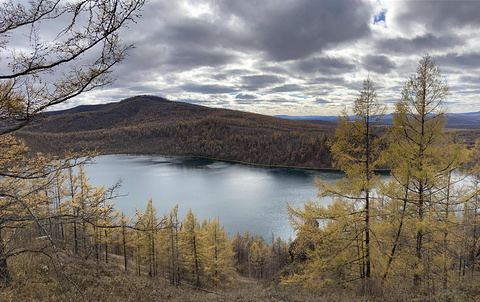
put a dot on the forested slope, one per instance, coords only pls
(153, 125)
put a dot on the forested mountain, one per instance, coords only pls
(153, 125)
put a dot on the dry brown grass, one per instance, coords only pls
(34, 279)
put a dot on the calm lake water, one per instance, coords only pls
(243, 197)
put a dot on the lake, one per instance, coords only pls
(243, 197)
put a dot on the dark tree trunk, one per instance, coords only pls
(124, 248)
(4, 273)
(106, 247)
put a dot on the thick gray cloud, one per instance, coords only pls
(295, 29)
(245, 96)
(305, 27)
(245, 101)
(463, 61)
(321, 101)
(471, 80)
(208, 89)
(379, 64)
(188, 58)
(256, 82)
(422, 44)
(439, 16)
(295, 56)
(326, 65)
(280, 100)
(328, 81)
(288, 88)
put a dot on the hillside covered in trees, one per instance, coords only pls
(153, 125)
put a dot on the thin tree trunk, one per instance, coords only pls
(138, 259)
(445, 234)
(367, 193)
(153, 260)
(474, 238)
(367, 235)
(418, 248)
(106, 247)
(75, 236)
(124, 247)
(421, 190)
(397, 238)
(172, 235)
(4, 273)
(97, 252)
(215, 255)
(197, 266)
(178, 276)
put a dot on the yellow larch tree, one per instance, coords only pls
(192, 249)
(259, 257)
(423, 161)
(147, 225)
(345, 226)
(219, 266)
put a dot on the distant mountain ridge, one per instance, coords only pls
(332, 118)
(469, 120)
(128, 112)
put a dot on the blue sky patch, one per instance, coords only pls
(380, 17)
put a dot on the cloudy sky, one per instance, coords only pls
(295, 57)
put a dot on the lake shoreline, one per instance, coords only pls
(225, 160)
(380, 171)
